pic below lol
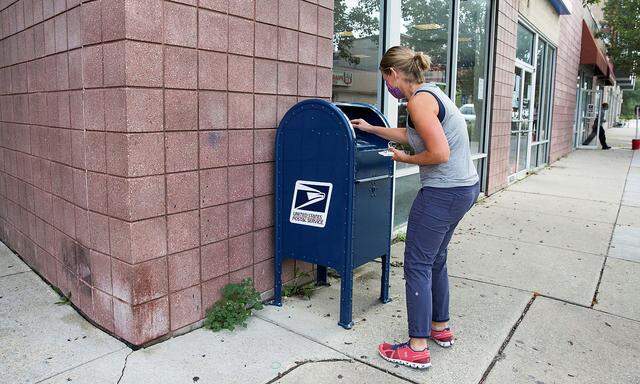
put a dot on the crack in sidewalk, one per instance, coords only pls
(594, 301)
(299, 364)
(500, 354)
(350, 358)
(124, 366)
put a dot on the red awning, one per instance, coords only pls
(610, 73)
(590, 54)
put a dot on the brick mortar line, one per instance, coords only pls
(41, 275)
(163, 44)
(203, 310)
(594, 301)
(76, 308)
(148, 87)
(39, 22)
(164, 161)
(499, 354)
(128, 221)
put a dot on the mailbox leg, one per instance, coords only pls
(384, 282)
(346, 296)
(277, 286)
(321, 275)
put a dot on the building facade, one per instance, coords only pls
(137, 136)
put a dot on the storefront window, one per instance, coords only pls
(406, 190)
(425, 28)
(531, 102)
(542, 103)
(471, 68)
(356, 53)
(524, 48)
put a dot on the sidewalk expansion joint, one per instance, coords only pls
(299, 364)
(124, 366)
(350, 358)
(535, 243)
(77, 366)
(594, 301)
(561, 196)
(500, 355)
(14, 274)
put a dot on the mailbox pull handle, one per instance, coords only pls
(374, 178)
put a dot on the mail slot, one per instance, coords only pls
(334, 191)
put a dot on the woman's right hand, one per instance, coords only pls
(362, 125)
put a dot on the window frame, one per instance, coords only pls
(391, 21)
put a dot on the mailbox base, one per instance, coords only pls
(321, 276)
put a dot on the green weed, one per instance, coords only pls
(236, 306)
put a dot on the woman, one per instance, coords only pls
(438, 134)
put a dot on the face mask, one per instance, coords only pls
(394, 91)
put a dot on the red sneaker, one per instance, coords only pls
(443, 338)
(405, 355)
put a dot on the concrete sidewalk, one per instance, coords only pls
(544, 289)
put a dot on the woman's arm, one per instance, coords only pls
(399, 135)
(423, 109)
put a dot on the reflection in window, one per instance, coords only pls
(406, 190)
(356, 44)
(524, 48)
(471, 69)
(425, 28)
(539, 106)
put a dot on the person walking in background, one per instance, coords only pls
(437, 132)
(594, 130)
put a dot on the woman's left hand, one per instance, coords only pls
(400, 155)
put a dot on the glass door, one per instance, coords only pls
(521, 121)
(542, 105)
(590, 118)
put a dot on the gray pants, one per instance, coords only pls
(434, 215)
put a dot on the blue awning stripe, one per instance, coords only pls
(560, 7)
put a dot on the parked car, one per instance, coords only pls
(468, 111)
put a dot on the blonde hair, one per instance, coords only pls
(412, 64)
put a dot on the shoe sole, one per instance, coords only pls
(444, 344)
(405, 363)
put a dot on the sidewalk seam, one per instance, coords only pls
(301, 363)
(606, 256)
(518, 209)
(14, 274)
(336, 350)
(79, 365)
(567, 197)
(534, 243)
(499, 355)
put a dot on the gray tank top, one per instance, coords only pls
(459, 171)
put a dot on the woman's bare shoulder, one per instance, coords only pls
(423, 101)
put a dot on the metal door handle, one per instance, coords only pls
(365, 180)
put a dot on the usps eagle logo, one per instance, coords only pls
(310, 204)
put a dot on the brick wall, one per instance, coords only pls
(505, 54)
(136, 167)
(564, 102)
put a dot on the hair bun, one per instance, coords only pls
(422, 61)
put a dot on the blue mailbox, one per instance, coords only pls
(334, 193)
